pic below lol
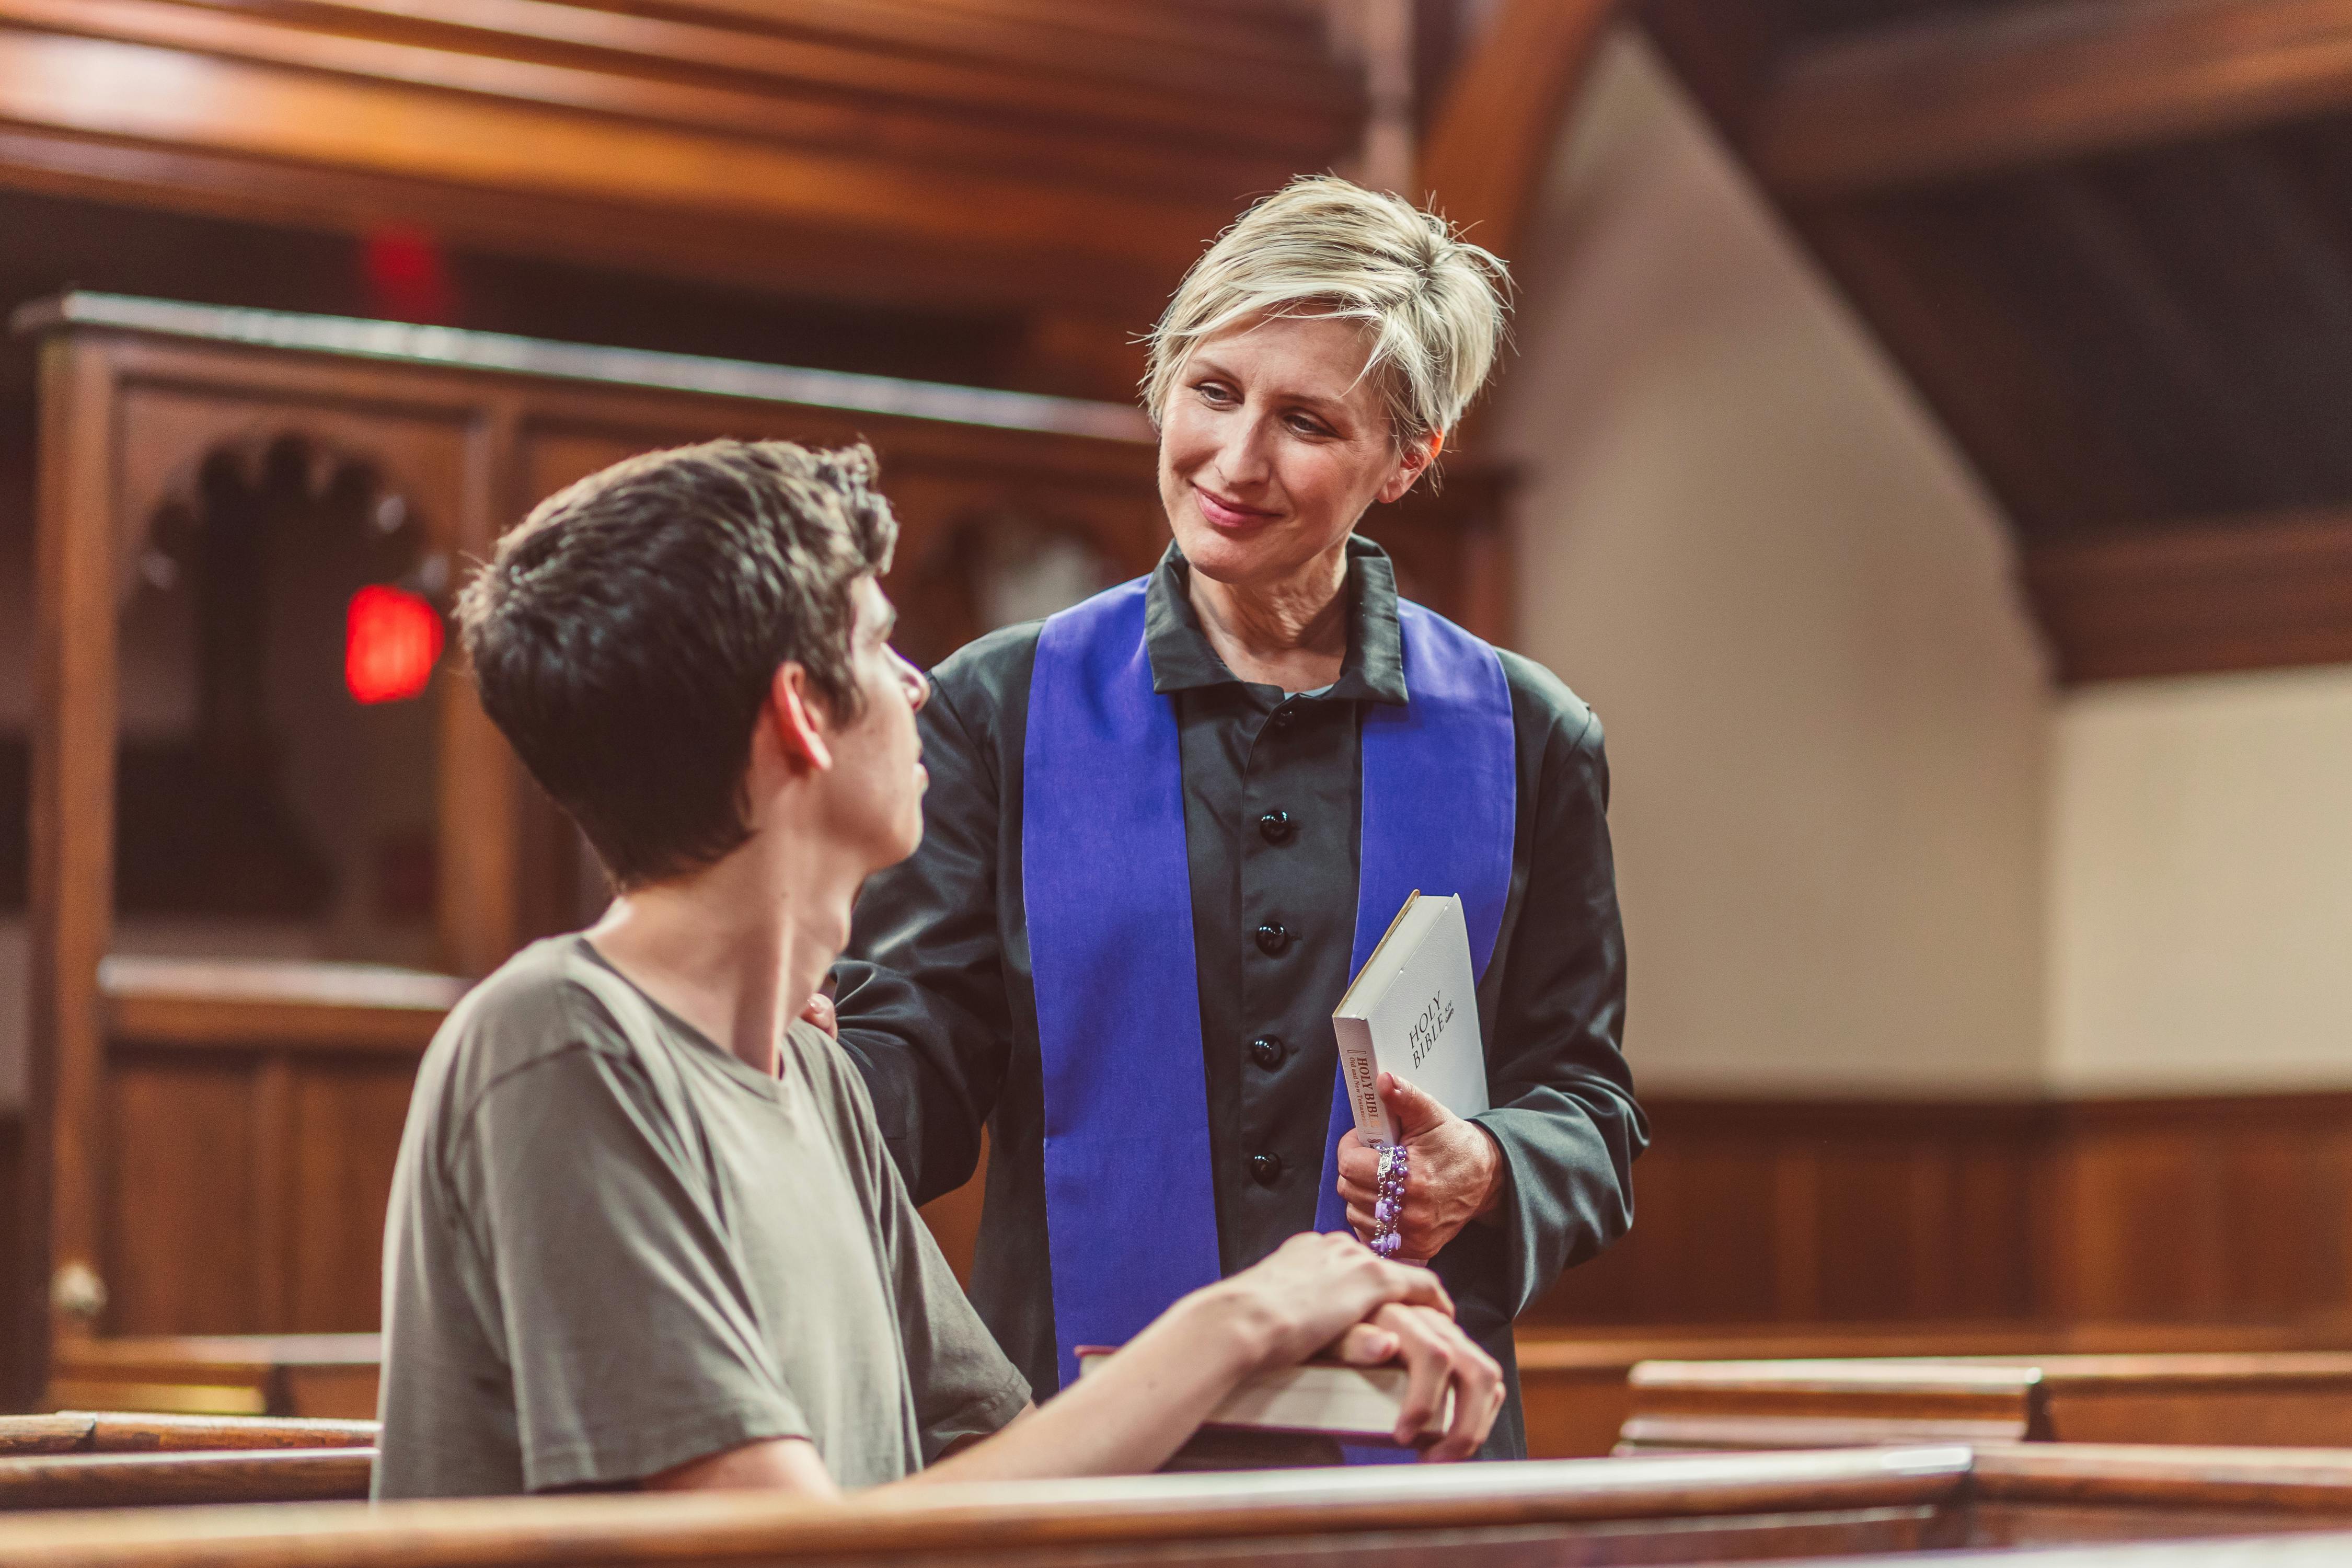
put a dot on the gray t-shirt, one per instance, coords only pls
(614, 1247)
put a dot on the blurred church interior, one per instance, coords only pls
(1922, 442)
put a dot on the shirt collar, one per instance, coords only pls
(1182, 658)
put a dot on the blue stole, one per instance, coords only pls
(1130, 1207)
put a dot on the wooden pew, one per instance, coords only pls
(122, 1432)
(2280, 1399)
(149, 1480)
(1578, 1397)
(331, 1376)
(87, 1458)
(1680, 1508)
(2329, 1549)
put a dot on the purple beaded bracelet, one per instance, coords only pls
(1388, 1202)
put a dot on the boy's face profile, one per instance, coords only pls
(874, 788)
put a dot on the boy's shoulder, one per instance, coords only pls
(551, 997)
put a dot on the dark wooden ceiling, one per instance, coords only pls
(2111, 240)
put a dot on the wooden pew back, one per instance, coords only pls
(1676, 1509)
(2282, 1399)
(89, 1458)
(323, 1376)
(41, 1481)
(1575, 1383)
(1744, 1505)
(122, 1432)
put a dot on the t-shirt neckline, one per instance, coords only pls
(729, 1062)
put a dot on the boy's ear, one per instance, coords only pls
(793, 709)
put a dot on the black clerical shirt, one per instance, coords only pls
(937, 1006)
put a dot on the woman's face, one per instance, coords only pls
(1271, 444)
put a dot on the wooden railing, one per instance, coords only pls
(122, 1432)
(1679, 1508)
(1732, 1505)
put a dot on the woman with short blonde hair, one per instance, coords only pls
(1430, 301)
(1168, 824)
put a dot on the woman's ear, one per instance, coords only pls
(792, 709)
(1411, 464)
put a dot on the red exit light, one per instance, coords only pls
(391, 638)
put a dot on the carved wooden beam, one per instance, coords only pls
(1493, 135)
(793, 146)
(1981, 89)
(2217, 593)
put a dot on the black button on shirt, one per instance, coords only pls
(1266, 1050)
(939, 1010)
(1274, 827)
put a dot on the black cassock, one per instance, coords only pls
(937, 1008)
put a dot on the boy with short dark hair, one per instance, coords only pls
(642, 1228)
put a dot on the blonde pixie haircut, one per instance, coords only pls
(1324, 246)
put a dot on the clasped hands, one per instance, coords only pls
(1456, 1172)
(1324, 1292)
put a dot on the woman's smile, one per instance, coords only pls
(1232, 516)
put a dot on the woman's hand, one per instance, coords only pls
(819, 1012)
(1456, 1172)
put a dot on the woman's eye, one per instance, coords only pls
(1215, 392)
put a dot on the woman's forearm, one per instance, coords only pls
(1129, 1415)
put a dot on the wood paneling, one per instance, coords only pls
(1813, 1211)
(2235, 1204)
(184, 1157)
(345, 1130)
(20, 1331)
(2193, 1210)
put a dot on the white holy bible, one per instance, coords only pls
(1412, 1010)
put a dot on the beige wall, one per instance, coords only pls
(2201, 884)
(1748, 545)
